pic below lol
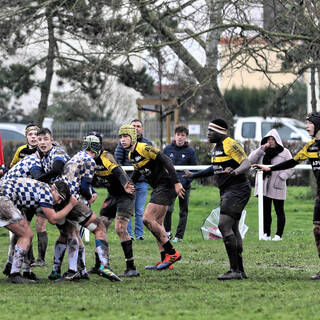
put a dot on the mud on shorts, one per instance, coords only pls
(118, 206)
(30, 212)
(163, 194)
(80, 214)
(234, 198)
(9, 213)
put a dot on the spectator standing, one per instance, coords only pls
(141, 186)
(272, 152)
(181, 154)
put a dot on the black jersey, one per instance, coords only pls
(227, 153)
(145, 160)
(311, 151)
(22, 152)
(109, 173)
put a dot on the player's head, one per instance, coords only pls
(314, 118)
(31, 134)
(127, 131)
(45, 140)
(62, 194)
(93, 143)
(217, 129)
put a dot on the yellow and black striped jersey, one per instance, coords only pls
(227, 153)
(144, 159)
(21, 152)
(109, 173)
(311, 151)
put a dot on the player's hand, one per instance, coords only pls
(260, 167)
(187, 174)
(73, 200)
(129, 188)
(230, 171)
(179, 190)
(93, 198)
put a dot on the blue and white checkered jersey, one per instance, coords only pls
(28, 193)
(56, 153)
(80, 166)
(25, 168)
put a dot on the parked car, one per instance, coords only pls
(255, 128)
(12, 131)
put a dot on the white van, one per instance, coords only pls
(256, 128)
(12, 131)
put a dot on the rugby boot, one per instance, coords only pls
(94, 270)
(55, 275)
(169, 260)
(243, 275)
(106, 272)
(154, 266)
(231, 275)
(316, 276)
(7, 269)
(129, 273)
(39, 263)
(70, 275)
(84, 276)
(30, 275)
(17, 278)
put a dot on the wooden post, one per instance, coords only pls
(176, 117)
(168, 119)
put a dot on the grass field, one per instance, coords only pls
(277, 288)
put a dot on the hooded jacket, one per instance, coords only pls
(274, 185)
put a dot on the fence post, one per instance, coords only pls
(260, 203)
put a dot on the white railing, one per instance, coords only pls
(202, 167)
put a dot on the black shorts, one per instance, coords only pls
(163, 195)
(316, 211)
(233, 199)
(120, 206)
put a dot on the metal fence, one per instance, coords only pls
(109, 129)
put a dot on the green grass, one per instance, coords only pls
(277, 288)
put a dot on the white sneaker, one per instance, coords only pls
(276, 238)
(175, 240)
(266, 238)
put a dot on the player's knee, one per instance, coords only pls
(316, 231)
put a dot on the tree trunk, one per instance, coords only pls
(46, 84)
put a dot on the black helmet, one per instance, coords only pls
(314, 117)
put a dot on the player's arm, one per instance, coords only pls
(15, 158)
(124, 179)
(53, 216)
(199, 174)
(57, 170)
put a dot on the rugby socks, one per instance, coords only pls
(168, 248)
(18, 258)
(42, 244)
(128, 253)
(13, 242)
(82, 260)
(230, 243)
(59, 251)
(98, 263)
(163, 255)
(73, 252)
(102, 249)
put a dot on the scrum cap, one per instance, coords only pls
(129, 130)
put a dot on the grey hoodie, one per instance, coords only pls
(274, 186)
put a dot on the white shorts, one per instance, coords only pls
(9, 213)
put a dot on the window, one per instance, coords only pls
(11, 135)
(248, 130)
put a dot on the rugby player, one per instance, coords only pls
(161, 176)
(229, 168)
(311, 151)
(29, 193)
(118, 205)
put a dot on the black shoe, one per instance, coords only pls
(7, 269)
(84, 276)
(316, 276)
(243, 275)
(70, 275)
(30, 275)
(39, 263)
(129, 273)
(140, 238)
(106, 272)
(55, 275)
(230, 275)
(17, 278)
(94, 270)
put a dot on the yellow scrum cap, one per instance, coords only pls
(129, 130)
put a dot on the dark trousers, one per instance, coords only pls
(267, 218)
(183, 216)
